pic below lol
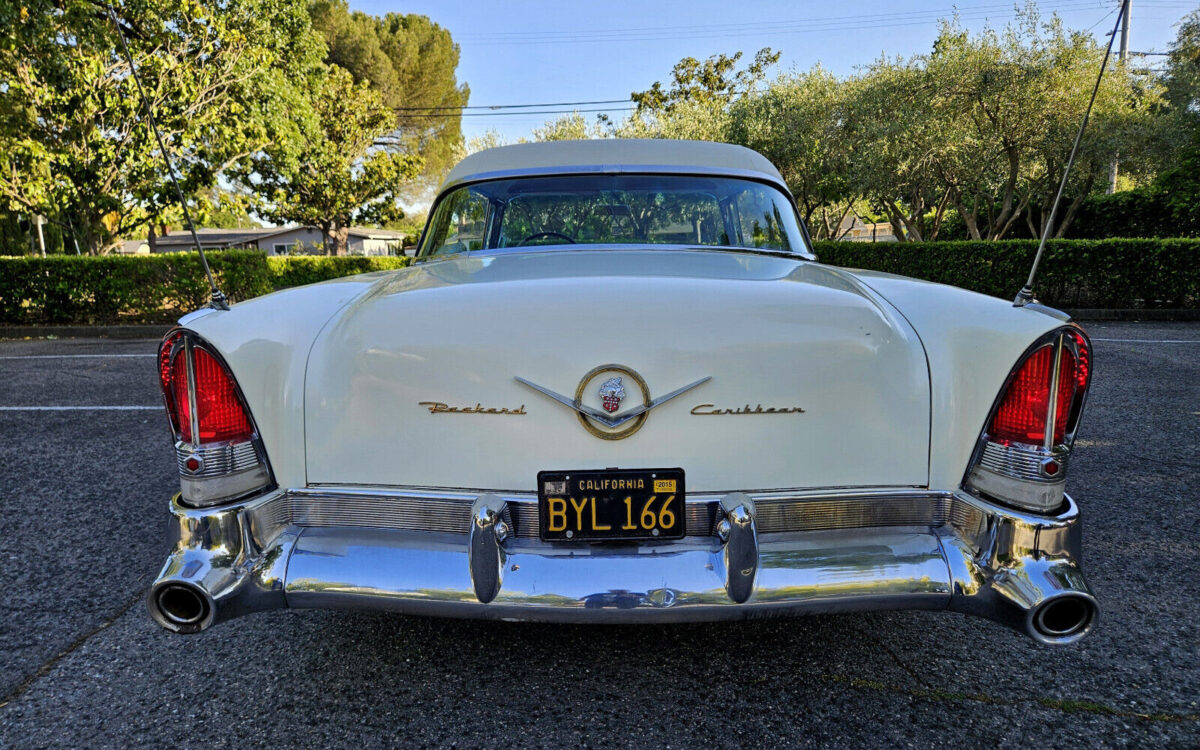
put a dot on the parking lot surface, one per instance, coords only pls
(83, 495)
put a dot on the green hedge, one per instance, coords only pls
(1113, 273)
(1121, 273)
(70, 289)
(298, 270)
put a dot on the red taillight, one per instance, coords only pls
(178, 397)
(1025, 409)
(170, 361)
(220, 413)
(1083, 366)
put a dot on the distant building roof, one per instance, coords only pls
(218, 238)
(181, 239)
(376, 234)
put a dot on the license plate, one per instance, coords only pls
(614, 504)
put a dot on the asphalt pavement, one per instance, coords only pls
(83, 495)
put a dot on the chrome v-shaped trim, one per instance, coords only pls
(618, 419)
(570, 403)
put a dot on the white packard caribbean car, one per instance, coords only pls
(617, 387)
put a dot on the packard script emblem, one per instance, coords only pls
(611, 394)
(437, 407)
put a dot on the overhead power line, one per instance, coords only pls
(1102, 20)
(728, 27)
(522, 112)
(781, 26)
(512, 106)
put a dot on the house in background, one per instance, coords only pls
(854, 229)
(295, 240)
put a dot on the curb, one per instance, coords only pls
(1134, 315)
(86, 332)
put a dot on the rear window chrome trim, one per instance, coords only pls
(614, 169)
(762, 178)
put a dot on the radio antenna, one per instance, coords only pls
(1025, 296)
(217, 298)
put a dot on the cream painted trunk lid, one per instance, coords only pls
(769, 332)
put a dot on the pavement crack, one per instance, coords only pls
(49, 664)
(896, 658)
(1064, 705)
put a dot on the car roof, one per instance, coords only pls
(613, 155)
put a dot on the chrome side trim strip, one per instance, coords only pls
(450, 515)
(777, 512)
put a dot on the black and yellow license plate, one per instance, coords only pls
(614, 504)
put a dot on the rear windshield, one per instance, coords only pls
(614, 209)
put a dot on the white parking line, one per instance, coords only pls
(73, 356)
(1150, 341)
(80, 408)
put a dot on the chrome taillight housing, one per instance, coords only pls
(217, 448)
(1022, 455)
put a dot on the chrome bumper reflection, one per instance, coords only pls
(959, 553)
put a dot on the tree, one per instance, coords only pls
(335, 176)
(717, 78)
(1182, 78)
(892, 137)
(74, 145)
(695, 106)
(1021, 95)
(1176, 191)
(797, 123)
(410, 62)
(572, 127)
(490, 138)
(985, 123)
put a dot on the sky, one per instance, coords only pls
(547, 51)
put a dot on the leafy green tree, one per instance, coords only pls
(696, 120)
(572, 127)
(1175, 194)
(892, 137)
(1182, 78)
(695, 104)
(985, 123)
(73, 143)
(490, 138)
(410, 62)
(335, 176)
(798, 123)
(717, 78)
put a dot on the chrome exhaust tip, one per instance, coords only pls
(1063, 619)
(180, 607)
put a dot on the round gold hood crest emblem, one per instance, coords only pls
(610, 385)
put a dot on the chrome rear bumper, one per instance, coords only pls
(745, 556)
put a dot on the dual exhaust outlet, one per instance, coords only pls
(181, 607)
(185, 608)
(1062, 619)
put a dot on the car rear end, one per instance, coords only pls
(849, 450)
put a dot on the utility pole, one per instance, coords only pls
(1122, 53)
